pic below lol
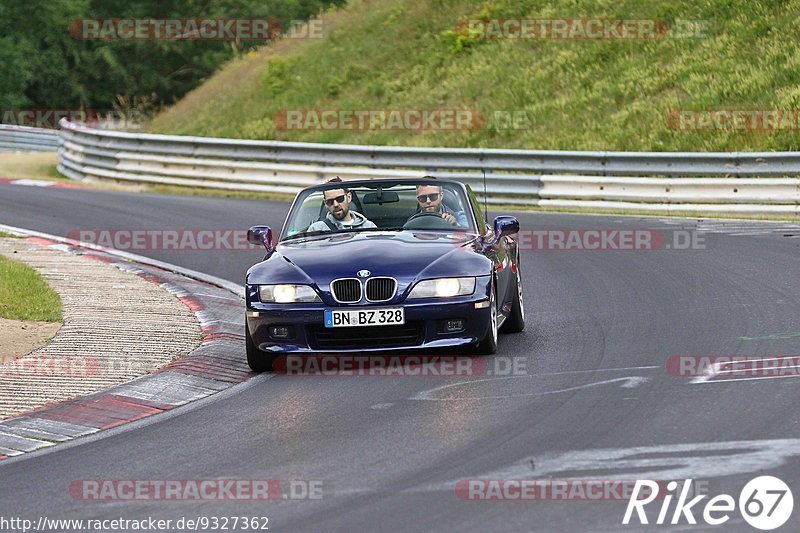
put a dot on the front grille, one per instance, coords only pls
(346, 290)
(381, 289)
(324, 338)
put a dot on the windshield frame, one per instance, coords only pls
(375, 184)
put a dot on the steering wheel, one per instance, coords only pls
(426, 220)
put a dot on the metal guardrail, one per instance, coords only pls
(764, 182)
(25, 139)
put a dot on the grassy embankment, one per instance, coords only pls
(24, 295)
(575, 95)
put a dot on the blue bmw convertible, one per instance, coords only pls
(381, 265)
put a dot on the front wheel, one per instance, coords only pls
(516, 319)
(488, 346)
(258, 360)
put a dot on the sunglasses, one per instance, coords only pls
(422, 198)
(339, 199)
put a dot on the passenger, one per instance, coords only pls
(340, 216)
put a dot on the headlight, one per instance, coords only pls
(443, 288)
(285, 294)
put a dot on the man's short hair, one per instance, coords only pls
(337, 179)
(432, 184)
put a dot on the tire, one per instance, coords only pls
(516, 320)
(257, 360)
(488, 346)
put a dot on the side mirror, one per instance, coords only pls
(505, 225)
(261, 235)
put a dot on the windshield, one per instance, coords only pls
(423, 205)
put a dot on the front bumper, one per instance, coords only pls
(424, 321)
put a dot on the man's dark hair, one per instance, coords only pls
(337, 179)
(430, 178)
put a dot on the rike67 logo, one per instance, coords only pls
(765, 503)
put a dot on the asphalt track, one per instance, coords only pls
(596, 401)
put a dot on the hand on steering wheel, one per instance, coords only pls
(450, 218)
(446, 216)
(441, 224)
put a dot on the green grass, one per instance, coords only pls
(7, 235)
(577, 95)
(219, 193)
(24, 295)
(30, 165)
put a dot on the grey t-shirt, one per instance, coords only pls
(358, 221)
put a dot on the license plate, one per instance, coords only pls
(344, 318)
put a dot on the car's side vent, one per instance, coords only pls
(347, 290)
(381, 289)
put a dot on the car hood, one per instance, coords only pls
(405, 255)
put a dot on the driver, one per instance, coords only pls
(340, 216)
(429, 200)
